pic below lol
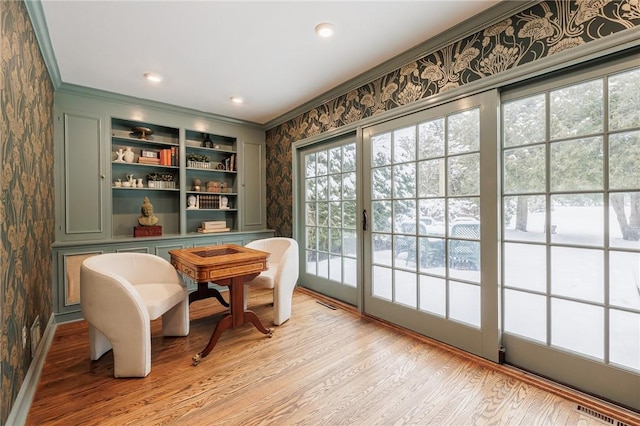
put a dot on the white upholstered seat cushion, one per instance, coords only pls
(266, 279)
(159, 298)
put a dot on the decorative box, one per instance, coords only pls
(147, 231)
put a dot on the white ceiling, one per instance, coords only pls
(264, 51)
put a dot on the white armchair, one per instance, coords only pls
(281, 275)
(120, 293)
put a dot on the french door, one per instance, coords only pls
(328, 218)
(571, 230)
(429, 194)
(538, 252)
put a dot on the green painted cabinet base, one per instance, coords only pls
(68, 257)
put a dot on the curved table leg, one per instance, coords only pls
(223, 324)
(236, 316)
(251, 317)
(218, 296)
(204, 292)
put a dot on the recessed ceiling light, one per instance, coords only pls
(153, 77)
(324, 30)
(237, 100)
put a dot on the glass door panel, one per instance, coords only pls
(329, 219)
(424, 270)
(571, 221)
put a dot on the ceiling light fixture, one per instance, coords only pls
(153, 77)
(324, 30)
(237, 100)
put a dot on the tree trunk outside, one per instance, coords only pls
(617, 203)
(633, 232)
(522, 214)
(634, 217)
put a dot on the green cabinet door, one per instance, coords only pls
(81, 177)
(251, 166)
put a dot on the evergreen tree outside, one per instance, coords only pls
(576, 149)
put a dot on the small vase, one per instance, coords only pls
(129, 155)
(140, 184)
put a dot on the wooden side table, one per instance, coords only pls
(227, 265)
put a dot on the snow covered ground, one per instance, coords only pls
(586, 278)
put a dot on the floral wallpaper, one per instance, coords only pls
(543, 30)
(27, 195)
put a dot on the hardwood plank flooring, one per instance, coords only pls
(322, 367)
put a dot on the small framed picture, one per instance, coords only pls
(148, 153)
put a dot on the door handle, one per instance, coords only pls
(364, 220)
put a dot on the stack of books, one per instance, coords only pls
(208, 201)
(148, 160)
(163, 157)
(212, 226)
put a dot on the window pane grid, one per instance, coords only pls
(588, 254)
(425, 218)
(330, 219)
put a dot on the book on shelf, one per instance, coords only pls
(150, 153)
(208, 201)
(214, 224)
(211, 231)
(165, 157)
(147, 160)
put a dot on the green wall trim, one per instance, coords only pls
(103, 95)
(36, 15)
(24, 399)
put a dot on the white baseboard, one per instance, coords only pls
(22, 404)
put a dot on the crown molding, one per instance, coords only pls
(626, 42)
(36, 15)
(504, 9)
(496, 13)
(74, 89)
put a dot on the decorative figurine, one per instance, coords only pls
(141, 132)
(192, 200)
(147, 218)
(129, 155)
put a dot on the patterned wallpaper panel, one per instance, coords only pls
(27, 195)
(543, 30)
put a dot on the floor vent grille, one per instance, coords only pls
(599, 416)
(328, 305)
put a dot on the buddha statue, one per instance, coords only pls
(147, 218)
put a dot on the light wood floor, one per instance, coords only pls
(322, 367)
